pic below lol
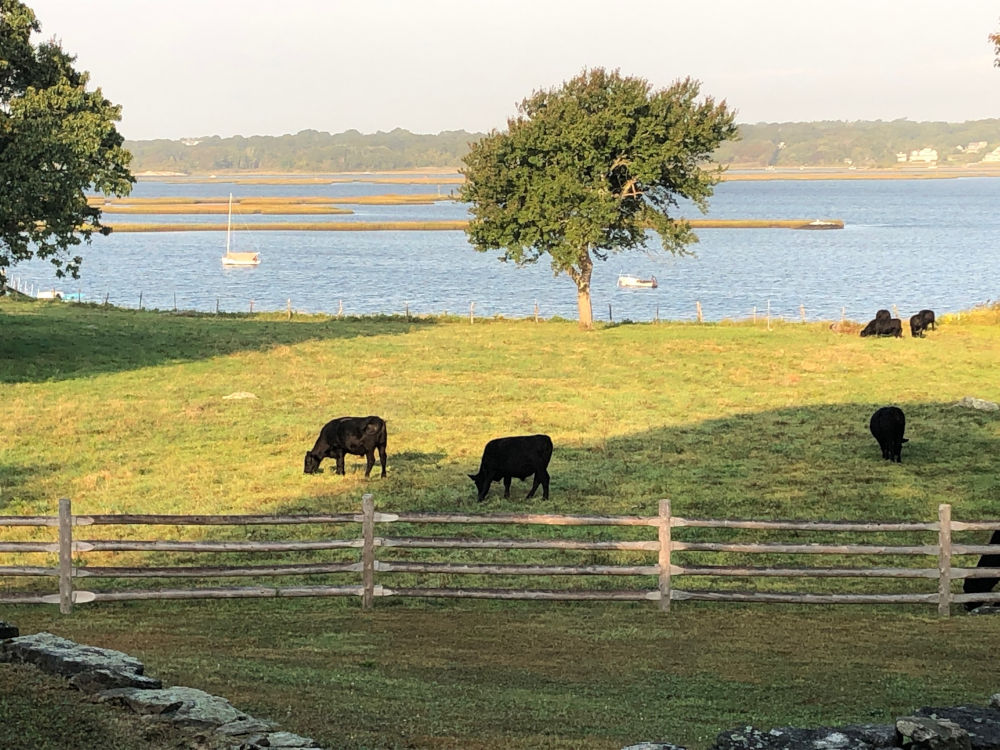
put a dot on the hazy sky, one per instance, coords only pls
(184, 68)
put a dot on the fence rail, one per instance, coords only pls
(671, 562)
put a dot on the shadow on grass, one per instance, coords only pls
(57, 341)
(814, 462)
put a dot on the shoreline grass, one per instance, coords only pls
(124, 411)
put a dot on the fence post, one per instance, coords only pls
(368, 551)
(944, 559)
(65, 556)
(664, 556)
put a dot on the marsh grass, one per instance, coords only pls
(123, 411)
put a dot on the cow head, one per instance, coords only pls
(482, 486)
(312, 463)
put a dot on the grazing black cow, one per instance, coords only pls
(883, 324)
(982, 585)
(516, 456)
(922, 321)
(359, 436)
(887, 425)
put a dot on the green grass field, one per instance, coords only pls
(123, 411)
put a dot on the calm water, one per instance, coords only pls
(909, 243)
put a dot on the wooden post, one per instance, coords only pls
(140, 300)
(288, 308)
(755, 314)
(769, 315)
(895, 312)
(802, 312)
(251, 307)
(611, 318)
(944, 560)
(472, 313)
(657, 318)
(340, 308)
(216, 305)
(843, 314)
(368, 551)
(175, 301)
(536, 310)
(106, 295)
(65, 556)
(697, 307)
(664, 555)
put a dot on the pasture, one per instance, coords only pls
(124, 412)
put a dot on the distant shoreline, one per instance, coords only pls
(442, 176)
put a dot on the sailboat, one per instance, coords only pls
(232, 258)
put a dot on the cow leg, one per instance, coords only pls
(381, 458)
(340, 463)
(983, 585)
(506, 487)
(369, 462)
(541, 478)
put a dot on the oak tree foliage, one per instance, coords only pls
(584, 170)
(57, 139)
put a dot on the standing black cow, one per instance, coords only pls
(982, 585)
(921, 322)
(359, 436)
(887, 425)
(516, 456)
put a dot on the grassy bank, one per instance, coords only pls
(123, 411)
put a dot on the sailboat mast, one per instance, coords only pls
(229, 222)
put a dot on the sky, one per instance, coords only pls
(192, 68)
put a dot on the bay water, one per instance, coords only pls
(912, 243)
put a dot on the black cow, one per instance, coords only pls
(516, 456)
(887, 425)
(982, 585)
(883, 324)
(922, 321)
(359, 436)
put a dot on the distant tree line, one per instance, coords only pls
(792, 144)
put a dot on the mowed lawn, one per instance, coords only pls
(124, 412)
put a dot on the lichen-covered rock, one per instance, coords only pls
(931, 733)
(852, 737)
(182, 706)
(980, 404)
(88, 665)
(982, 724)
(654, 746)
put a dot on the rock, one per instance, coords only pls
(986, 609)
(96, 680)
(245, 726)
(287, 739)
(969, 402)
(982, 724)
(654, 746)
(59, 656)
(931, 733)
(7, 630)
(238, 395)
(182, 706)
(851, 737)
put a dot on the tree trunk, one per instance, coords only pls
(582, 278)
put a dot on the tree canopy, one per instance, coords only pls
(585, 169)
(57, 139)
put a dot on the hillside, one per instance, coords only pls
(762, 145)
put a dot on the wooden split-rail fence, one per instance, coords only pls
(666, 558)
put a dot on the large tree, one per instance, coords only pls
(586, 169)
(57, 139)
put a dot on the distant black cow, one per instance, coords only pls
(883, 324)
(516, 456)
(982, 585)
(921, 322)
(359, 436)
(887, 425)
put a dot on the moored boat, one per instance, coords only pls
(236, 258)
(627, 281)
